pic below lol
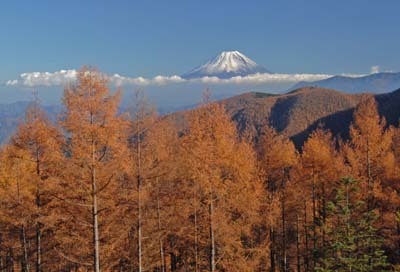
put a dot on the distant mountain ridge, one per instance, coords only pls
(294, 114)
(13, 114)
(373, 83)
(298, 113)
(226, 65)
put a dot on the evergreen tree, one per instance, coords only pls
(354, 243)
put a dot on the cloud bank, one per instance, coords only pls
(34, 79)
(64, 77)
(375, 69)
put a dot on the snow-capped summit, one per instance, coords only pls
(226, 65)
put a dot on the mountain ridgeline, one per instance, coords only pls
(295, 114)
(298, 113)
(373, 83)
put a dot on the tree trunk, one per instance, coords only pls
(212, 244)
(139, 224)
(196, 255)
(298, 244)
(283, 200)
(159, 230)
(314, 224)
(38, 226)
(173, 262)
(306, 259)
(272, 248)
(139, 187)
(96, 254)
(25, 261)
(10, 263)
(38, 248)
(323, 213)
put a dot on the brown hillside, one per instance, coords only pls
(293, 113)
(297, 113)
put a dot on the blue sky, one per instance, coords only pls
(170, 37)
(149, 38)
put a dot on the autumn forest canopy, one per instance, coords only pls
(101, 190)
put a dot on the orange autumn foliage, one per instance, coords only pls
(134, 192)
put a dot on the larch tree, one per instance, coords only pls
(188, 192)
(18, 211)
(144, 165)
(34, 155)
(277, 156)
(161, 146)
(396, 145)
(146, 195)
(143, 119)
(96, 146)
(321, 166)
(223, 171)
(161, 203)
(369, 152)
(371, 159)
(391, 203)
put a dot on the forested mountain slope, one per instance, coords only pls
(299, 112)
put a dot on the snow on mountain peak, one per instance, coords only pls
(227, 64)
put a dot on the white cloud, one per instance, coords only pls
(264, 78)
(34, 79)
(118, 80)
(250, 79)
(64, 77)
(375, 69)
(12, 82)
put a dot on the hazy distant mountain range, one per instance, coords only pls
(294, 114)
(306, 105)
(229, 64)
(13, 114)
(374, 83)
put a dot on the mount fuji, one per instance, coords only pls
(226, 65)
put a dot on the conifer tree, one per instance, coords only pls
(321, 166)
(96, 146)
(354, 244)
(277, 155)
(369, 152)
(372, 161)
(224, 174)
(32, 158)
